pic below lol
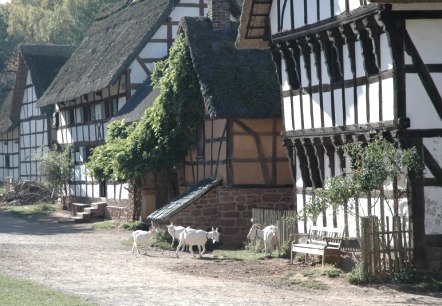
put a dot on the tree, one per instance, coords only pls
(45, 22)
(52, 21)
(7, 42)
(56, 167)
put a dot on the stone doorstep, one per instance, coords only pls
(78, 207)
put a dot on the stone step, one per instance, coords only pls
(78, 207)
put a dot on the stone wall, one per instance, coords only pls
(230, 209)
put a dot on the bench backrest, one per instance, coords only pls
(317, 233)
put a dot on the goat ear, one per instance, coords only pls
(213, 229)
(216, 229)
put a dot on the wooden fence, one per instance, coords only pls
(387, 245)
(276, 217)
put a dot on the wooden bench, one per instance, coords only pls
(322, 241)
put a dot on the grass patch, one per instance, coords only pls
(34, 209)
(311, 284)
(327, 270)
(241, 255)
(17, 292)
(106, 225)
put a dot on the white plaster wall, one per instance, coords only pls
(327, 109)
(287, 24)
(137, 73)
(315, 77)
(317, 110)
(373, 92)
(312, 16)
(362, 104)
(434, 146)
(386, 60)
(297, 112)
(298, 8)
(339, 115)
(349, 106)
(307, 111)
(388, 99)
(420, 109)
(426, 35)
(433, 210)
(288, 122)
(180, 12)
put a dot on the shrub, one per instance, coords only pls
(161, 240)
(358, 276)
(135, 225)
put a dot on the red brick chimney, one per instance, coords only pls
(219, 13)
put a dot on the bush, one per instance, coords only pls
(135, 225)
(161, 240)
(358, 276)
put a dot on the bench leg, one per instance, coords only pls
(291, 257)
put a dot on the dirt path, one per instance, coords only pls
(99, 267)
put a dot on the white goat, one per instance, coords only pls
(142, 238)
(199, 238)
(175, 232)
(269, 235)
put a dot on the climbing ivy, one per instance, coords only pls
(372, 166)
(166, 131)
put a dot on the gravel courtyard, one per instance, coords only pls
(99, 267)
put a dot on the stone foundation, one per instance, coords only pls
(230, 209)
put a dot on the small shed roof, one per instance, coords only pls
(234, 83)
(184, 200)
(137, 104)
(111, 44)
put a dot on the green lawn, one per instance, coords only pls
(17, 292)
(34, 209)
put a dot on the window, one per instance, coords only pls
(7, 161)
(87, 113)
(71, 116)
(111, 107)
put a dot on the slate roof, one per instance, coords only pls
(184, 200)
(234, 83)
(111, 44)
(137, 104)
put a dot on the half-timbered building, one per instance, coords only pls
(112, 63)
(348, 70)
(239, 162)
(37, 67)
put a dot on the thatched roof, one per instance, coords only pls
(44, 62)
(111, 44)
(184, 200)
(6, 93)
(234, 83)
(137, 104)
